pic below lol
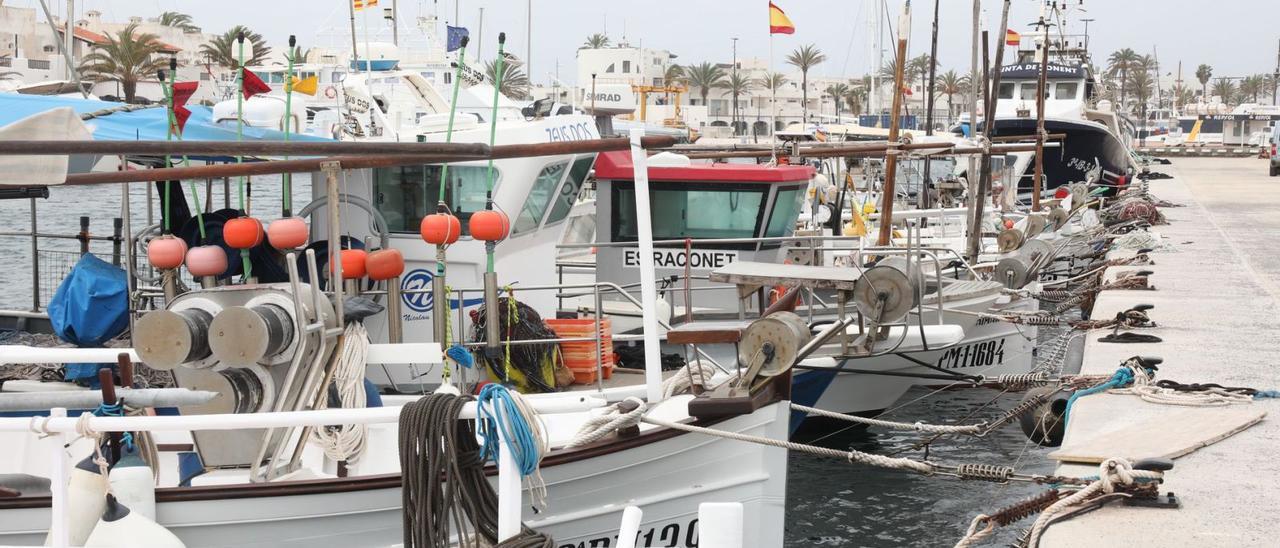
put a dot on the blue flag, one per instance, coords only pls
(455, 36)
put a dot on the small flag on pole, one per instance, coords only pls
(455, 36)
(779, 23)
(253, 85)
(182, 92)
(307, 86)
(1012, 38)
(362, 4)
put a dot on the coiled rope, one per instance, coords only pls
(1111, 473)
(504, 416)
(446, 499)
(347, 441)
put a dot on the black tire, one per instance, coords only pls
(1275, 170)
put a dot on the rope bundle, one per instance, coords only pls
(347, 441)
(504, 416)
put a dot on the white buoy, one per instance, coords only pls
(86, 492)
(133, 484)
(121, 528)
(720, 525)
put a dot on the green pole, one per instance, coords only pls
(493, 134)
(453, 108)
(244, 253)
(168, 136)
(286, 190)
(175, 132)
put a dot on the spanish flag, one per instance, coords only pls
(1011, 37)
(362, 4)
(778, 21)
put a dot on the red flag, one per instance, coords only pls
(182, 92)
(252, 85)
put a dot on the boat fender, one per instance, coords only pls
(1046, 423)
(133, 484)
(120, 528)
(86, 490)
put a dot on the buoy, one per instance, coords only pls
(354, 262)
(121, 527)
(1046, 423)
(133, 484)
(384, 264)
(489, 225)
(440, 229)
(287, 233)
(166, 252)
(1008, 223)
(207, 260)
(86, 499)
(868, 208)
(1062, 193)
(242, 232)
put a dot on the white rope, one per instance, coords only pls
(609, 421)
(1141, 239)
(1111, 472)
(347, 441)
(693, 373)
(879, 461)
(975, 535)
(916, 426)
(1149, 392)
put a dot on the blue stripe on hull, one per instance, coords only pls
(806, 389)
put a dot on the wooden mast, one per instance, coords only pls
(891, 154)
(1040, 89)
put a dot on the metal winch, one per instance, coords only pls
(257, 346)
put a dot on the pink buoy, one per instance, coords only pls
(207, 260)
(287, 233)
(166, 252)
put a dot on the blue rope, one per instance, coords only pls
(496, 409)
(1121, 378)
(460, 355)
(115, 410)
(1262, 394)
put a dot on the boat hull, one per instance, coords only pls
(1086, 145)
(665, 473)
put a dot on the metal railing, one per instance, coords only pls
(49, 267)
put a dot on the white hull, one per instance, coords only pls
(667, 478)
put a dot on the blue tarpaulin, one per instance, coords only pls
(90, 308)
(145, 124)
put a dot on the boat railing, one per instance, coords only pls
(50, 266)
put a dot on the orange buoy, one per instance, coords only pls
(489, 225)
(353, 263)
(207, 260)
(1008, 223)
(287, 233)
(383, 264)
(440, 229)
(242, 232)
(166, 252)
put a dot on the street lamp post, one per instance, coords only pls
(735, 77)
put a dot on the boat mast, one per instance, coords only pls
(355, 50)
(891, 154)
(1041, 86)
(923, 198)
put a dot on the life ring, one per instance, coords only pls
(330, 92)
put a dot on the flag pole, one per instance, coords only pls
(773, 103)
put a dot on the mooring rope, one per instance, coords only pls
(347, 441)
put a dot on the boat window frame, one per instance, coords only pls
(617, 187)
(1075, 91)
(546, 205)
(428, 209)
(558, 197)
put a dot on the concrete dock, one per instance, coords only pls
(1216, 305)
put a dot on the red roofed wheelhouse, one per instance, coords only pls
(717, 206)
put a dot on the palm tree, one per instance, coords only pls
(224, 50)
(1269, 82)
(1252, 86)
(772, 81)
(737, 85)
(1223, 88)
(1182, 95)
(920, 65)
(804, 59)
(889, 71)
(673, 75)
(854, 99)
(950, 84)
(1203, 74)
(704, 76)
(127, 58)
(178, 21)
(515, 83)
(1119, 64)
(595, 41)
(1142, 85)
(837, 93)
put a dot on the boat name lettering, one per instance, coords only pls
(580, 131)
(1082, 165)
(675, 258)
(605, 97)
(356, 104)
(666, 536)
(982, 354)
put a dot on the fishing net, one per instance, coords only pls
(531, 368)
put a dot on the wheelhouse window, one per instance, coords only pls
(1006, 90)
(715, 210)
(568, 195)
(782, 220)
(407, 193)
(1065, 90)
(539, 197)
(1028, 91)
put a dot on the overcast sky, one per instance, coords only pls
(1236, 37)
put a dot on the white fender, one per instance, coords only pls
(86, 492)
(133, 484)
(122, 528)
